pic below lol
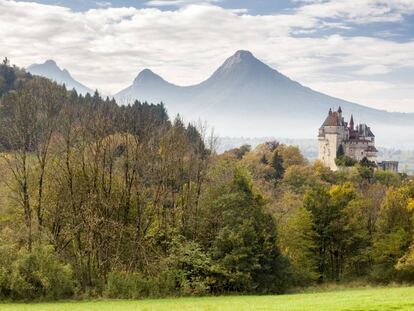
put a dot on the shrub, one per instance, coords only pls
(186, 271)
(387, 178)
(345, 161)
(127, 285)
(124, 285)
(190, 268)
(40, 274)
(7, 257)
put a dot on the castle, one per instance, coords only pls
(356, 142)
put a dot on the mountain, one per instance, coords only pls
(245, 97)
(149, 86)
(51, 70)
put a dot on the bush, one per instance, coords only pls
(186, 271)
(190, 268)
(7, 257)
(124, 285)
(345, 161)
(127, 286)
(40, 274)
(387, 178)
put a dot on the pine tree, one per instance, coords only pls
(277, 164)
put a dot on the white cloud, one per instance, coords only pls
(358, 11)
(103, 4)
(373, 70)
(106, 48)
(367, 93)
(179, 2)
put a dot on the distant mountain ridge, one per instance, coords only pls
(51, 70)
(245, 97)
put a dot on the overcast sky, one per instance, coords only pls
(358, 50)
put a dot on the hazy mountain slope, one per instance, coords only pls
(51, 70)
(245, 97)
(150, 87)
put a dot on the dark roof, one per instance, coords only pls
(372, 149)
(333, 119)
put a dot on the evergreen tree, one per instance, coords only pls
(277, 164)
(340, 152)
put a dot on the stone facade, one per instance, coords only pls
(357, 142)
(388, 166)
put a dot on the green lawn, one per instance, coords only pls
(352, 299)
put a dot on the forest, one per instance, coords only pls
(102, 200)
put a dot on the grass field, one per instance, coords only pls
(352, 299)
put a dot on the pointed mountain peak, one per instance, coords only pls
(240, 57)
(147, 73)
(50, 62)
(243, 54)
(146, 76)
(245, 68)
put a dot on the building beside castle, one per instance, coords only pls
(356, 142)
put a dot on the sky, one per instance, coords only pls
(357, 50)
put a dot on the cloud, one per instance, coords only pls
(366, 93)
(103, 4)
(105, 48)
(179, 2)
(358, 11)
(373, 70)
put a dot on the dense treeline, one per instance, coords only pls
(100, 199)
(120, 200)
(355, 224)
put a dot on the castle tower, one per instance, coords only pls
(351, 122)
(332, 134)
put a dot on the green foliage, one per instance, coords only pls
(299, 178)
(7, 257)
(277, 164)
(345, 161)
(191, 268)
(129, 285)
(387, 178)
(394, 235)
(40, 274)
(244, 248)
(367, 163)
(387, 249)
(327, 207)
(297, 241)
(241, 151)
(291, 155)
(340, 152)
